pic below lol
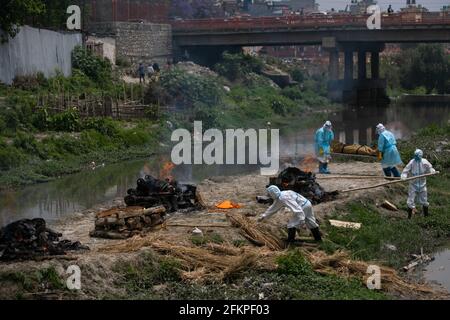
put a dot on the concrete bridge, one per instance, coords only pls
(204, 40)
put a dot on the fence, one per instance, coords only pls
(36, 50)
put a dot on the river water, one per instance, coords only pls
(80, 191)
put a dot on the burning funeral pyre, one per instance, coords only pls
(169, 193)
(121, 223)
(30, 239)
(304, 183)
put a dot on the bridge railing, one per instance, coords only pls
(305, 22)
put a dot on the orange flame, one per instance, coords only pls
(308, 164)
(166, 171)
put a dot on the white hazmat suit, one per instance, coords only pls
(300, 207)
(417, 188)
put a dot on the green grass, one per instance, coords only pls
(409, 236)
(19, 284)
(199, 240)
(294, 279)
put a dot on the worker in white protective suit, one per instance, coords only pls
(417, 188)
(301, 209)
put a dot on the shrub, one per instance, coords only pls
(292, 93)
(65, 121)
(235, 66)
(96, 68)
(297, 75)
(10, 156)
(186, 89)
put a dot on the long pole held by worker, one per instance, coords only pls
(390, 182)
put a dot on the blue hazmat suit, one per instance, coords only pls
(323, 140)
(387, 145)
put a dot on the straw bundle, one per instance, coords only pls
(255, 233)
(340, 263)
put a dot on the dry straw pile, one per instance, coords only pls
(218, 262)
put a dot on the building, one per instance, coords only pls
(260, 8)
(360, 7)
(155, 11)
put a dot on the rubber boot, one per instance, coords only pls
(291, 235)
(316, 234)
(425, 211)
(325, 167)
(395, 172)
(410, 213)
(321, 167)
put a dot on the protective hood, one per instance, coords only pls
(274, 192)
(418, 155)
(380, 128)
(327, 125)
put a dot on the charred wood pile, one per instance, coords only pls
(122, 223)
(31, 239)
(304, 183)
(169, 193)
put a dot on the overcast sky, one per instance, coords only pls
(433, 5)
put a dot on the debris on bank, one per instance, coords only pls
(304, 183)
(28, 239)
(418, 259)
(151, 192)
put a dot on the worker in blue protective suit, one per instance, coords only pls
(387, 152)
(323, 139)
(301, 209)
(417, 188)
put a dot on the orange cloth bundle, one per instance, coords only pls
(227, 204)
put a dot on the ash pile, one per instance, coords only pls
(304, 183)
(31, 239)
(169, 193)
(122, 223)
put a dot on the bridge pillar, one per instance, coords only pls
(334, 65)
(348, 73)
(362, 68)
(375, 64)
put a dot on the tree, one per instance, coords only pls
(15, 13)
(427, 66)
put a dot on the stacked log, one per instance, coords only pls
(31, 239)
(304, 183)
(122, 223)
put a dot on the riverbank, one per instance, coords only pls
(146, 268)
(38, 144)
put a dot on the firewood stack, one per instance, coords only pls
(174, 196)
(304, 183)
(31, 239)
(122, 223)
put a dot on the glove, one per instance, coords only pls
(380, 156)
(403, 177)
(260, 218)
(321, 151)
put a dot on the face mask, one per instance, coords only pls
(417, 158)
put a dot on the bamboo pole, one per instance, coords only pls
(353, 155)
(355, 177)
(390, 182)
(198, 225)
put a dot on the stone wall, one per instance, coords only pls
(138, 42)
